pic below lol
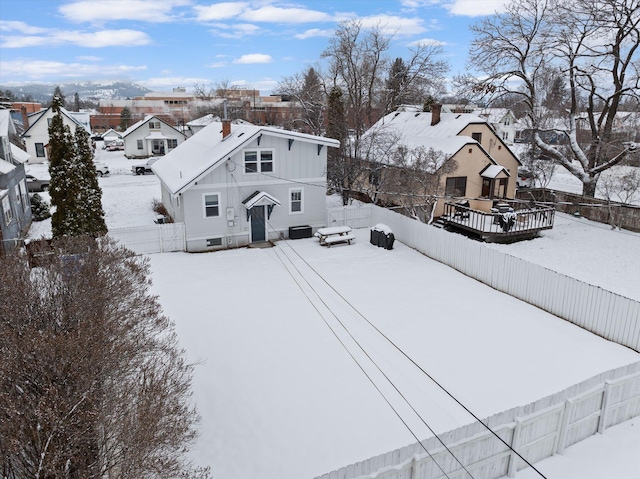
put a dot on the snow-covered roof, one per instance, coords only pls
(492, 171)
(111, 132)
(203, 120)
(207, 149)
(5, 167)
(19, 155)
(414, 130)
(78, 118)
(156, 135)
(146, 119)
(493, 115)
(260, 198)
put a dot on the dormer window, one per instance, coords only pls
(154, 125)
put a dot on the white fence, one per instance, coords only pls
(537, 430)
(152, 239)
(602, 312)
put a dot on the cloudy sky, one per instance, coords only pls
(169, 43)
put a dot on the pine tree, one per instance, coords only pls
(64, 188)
(341, 167)
(57, 92)
(125, 118)
(90, 194)
(76, 102)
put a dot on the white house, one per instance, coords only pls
(110, 136)
(36, 135)
(502, 120)
(232, 185)
(150, 137)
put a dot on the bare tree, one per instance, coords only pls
(593, 45)
(620, 186)
(308, 94)
(92, 381)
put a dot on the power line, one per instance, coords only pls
(416, 364)
(362, 368)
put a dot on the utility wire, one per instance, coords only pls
(417, 365)
(360, 366)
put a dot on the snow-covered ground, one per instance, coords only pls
(281, 398)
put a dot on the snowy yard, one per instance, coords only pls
(280, 397)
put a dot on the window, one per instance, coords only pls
(40, 150)
(477, 137)
(154, 125)
(172, 143)
(25, 194)
(6, 209)
(456, 186)
(295, 200)
(258, 161)
(140, 145)
(16, 190)
(212, 205)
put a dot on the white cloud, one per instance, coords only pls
(271, 14)
(98, 39)
(314, 32)
(427, 42)
(219, 11)
(474, 8)
(235, 31)
(217, 65)
(153, 11)
(89, 58)
(252, 58)
(20, 27)
(394, 25)
(31, 70)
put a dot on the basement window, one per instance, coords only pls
(214, 242)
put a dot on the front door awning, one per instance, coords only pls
(260, 198)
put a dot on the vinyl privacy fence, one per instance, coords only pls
(157, 238)
(537, 430)
(599, 311)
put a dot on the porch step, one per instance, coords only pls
(438, 223)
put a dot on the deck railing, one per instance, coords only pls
(518, 222)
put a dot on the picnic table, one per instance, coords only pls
(334, 235)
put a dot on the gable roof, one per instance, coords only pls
(145, 120)
(5, 167)
(414, 130)
(43, 113)
(493, 171)
(206, 150)
(7, 127)
(19, 155)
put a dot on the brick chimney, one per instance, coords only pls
(226, 128)
(436, 108)
(25, 117)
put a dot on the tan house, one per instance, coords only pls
(477, 172)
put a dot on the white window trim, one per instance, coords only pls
(25, 194)
(291, 212)
(6, 210)
(140, 144)
(204, 205)
(259, 163)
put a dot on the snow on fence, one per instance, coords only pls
(161, 238)
(597, 310)
(536, 431)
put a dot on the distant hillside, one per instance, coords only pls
(87, 91)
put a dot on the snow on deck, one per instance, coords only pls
(281, 398)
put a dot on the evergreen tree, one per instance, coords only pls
(64, 187)
(125, 118)
(341, 166)
(39, 208)
(76, 102)
(89, 194)
(57, 92)
(396, 84)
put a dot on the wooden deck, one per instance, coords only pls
(523, 223)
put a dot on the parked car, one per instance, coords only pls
(101, 168)
(115, 145)
(141, 169)
(524, 178)
(35, 184)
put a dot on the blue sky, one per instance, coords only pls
(163, 44)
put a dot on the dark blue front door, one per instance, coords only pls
(258, 230)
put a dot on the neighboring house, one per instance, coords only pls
(232, 185)
(194, 126)
(36, 135)
(150, 137)
(502, 120)
(480, 167)
(15, 209)
(110, 136)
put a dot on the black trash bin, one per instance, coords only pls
(382, 236)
